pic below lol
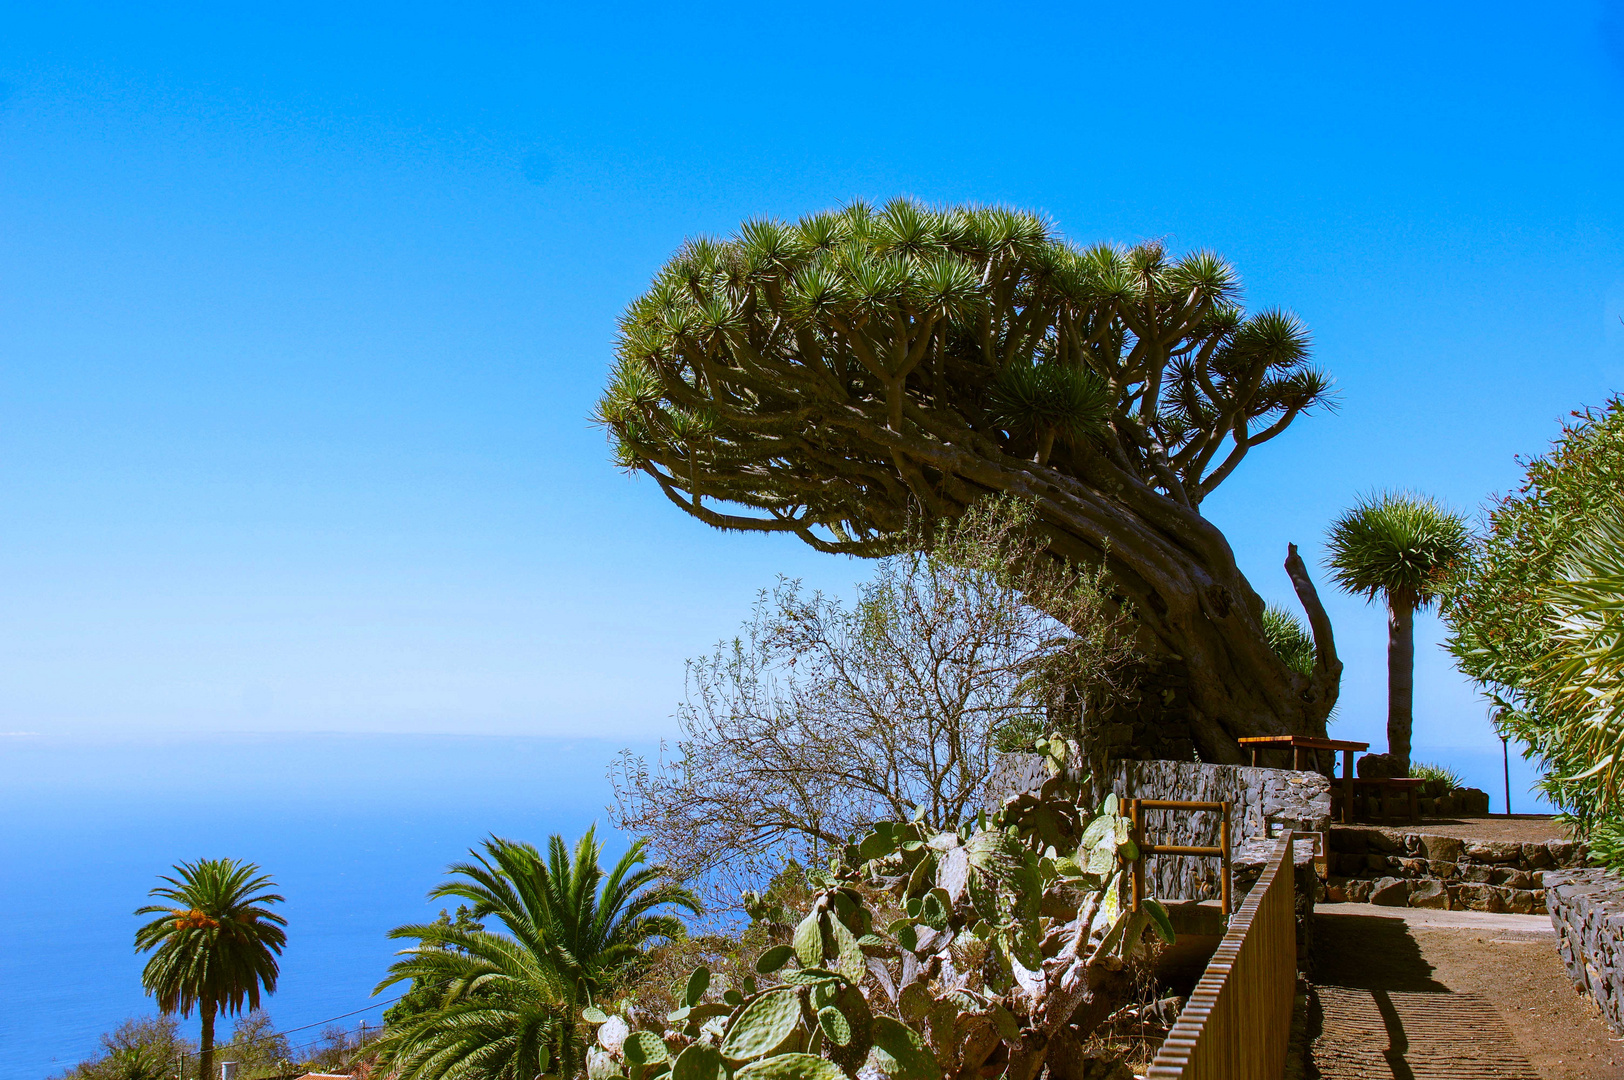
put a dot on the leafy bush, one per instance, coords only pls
(924, 954)
(1525, 605)
(148, 1048)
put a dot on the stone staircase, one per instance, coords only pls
(1396, 868)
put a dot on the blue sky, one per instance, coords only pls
(303, 310)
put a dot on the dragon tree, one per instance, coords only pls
(845, 377)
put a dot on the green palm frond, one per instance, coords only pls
(508, 1001)
(215, 940)
(1396, 545)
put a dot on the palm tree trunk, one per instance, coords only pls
(205, 1049)
(1400, 682)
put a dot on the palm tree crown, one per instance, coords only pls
(512, 1000)
(214, 943)
(1397, 546)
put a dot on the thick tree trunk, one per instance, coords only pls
(1203, 625)
(205, 1048)
(1200, 616)
(1400, 683)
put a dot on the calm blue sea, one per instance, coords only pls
(355, 829)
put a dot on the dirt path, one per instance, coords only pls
(1410, 994)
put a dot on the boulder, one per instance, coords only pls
(1378, 767)
(1440, 869)
(1493, 851)
(1471, 800)
(1442, 848)
(1429, 893)
(1477, 898)
(1359, 890)
(1390, 892)
(1521, 902)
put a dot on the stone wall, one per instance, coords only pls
(1587, 909)
(1263, 802)
(1408, 869)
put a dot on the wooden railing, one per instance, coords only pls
(1137, 808)
(1237, 1024)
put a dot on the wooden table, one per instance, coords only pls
(1299, 743)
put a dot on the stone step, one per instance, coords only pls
(1369, 849)
(1432, 892)
(1375, 867)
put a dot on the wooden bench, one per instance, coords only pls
(1300, 743)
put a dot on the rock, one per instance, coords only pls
(1381, 840)
(1493, 851)
(1442, 848)
(1429, 893)
(1561, 852)
(1413, 867)
(1390, 892)
(1442, 869)
(1427, 807)
(1359, 890)
(1378, 767)
(1351, 841)
(1445, 806)
(1521, 902)
(1537, 856)
(1471, 800)
(1336, 890)
(1477, 898)
(1512, 879)
(1479, 875)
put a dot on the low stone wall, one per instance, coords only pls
(1407, 869)
(1263, 803)
(1587, 909)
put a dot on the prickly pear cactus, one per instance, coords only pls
(924, 956)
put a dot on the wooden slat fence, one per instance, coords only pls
(1237, 1024)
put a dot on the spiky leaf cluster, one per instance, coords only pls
(831, 376)
(1397, 546)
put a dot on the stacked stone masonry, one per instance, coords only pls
(1587, 908)
(1406, 869)
(1263, 803)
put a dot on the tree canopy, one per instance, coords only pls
(858, 370)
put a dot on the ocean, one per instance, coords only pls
(354, 830)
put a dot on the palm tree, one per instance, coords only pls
(511, 1001)
(215, 947)
(1400, 547)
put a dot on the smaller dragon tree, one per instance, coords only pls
(991, 949)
